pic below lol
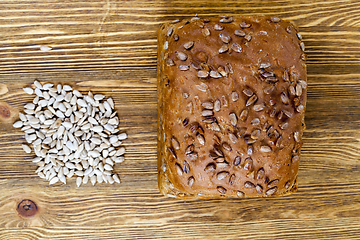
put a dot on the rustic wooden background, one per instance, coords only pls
(110, 47)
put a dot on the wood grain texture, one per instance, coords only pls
(109, 47)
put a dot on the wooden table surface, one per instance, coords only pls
(110, 47)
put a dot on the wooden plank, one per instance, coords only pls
(109, 47)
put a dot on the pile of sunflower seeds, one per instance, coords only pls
(72, 134)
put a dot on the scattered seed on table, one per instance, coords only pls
(72, 134)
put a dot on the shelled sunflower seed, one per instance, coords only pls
(72, 134)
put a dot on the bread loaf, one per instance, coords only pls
(231, 104)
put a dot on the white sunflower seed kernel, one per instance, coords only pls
(110, 179)
(122, 136)
(53, 180)
(116, 178)
(78, 181)
(29, 91)
(18, 124)
(93, 180)
(118, 159)
(26, 148)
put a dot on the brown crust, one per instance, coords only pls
(253, 68)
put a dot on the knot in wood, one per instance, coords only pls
(4, 111)
(27, 208)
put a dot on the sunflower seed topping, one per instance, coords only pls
(169, 62)
(248, 184)
(251, 100)
(302, 46)
(284, 98)
(226, 19)
(243, 115)
(240, 33)
(169, 32)
(224, 38)
(269, 89)
(181, 55)
(240, 194)
(297, 136)
(186, 167)
(211, 167)
(265, 149)
(232, 137)
(189, 149)
(292, 90)
(71, 135)
(295, 158)
(207, 113)
(273, 183)
(217, 105)
(223, 48)
(202, 74)
(192, 155)
(299, 36)
(271, 191)
(287, 113)
(202, 87)
(218, 27)
(222, 71)
(283, 125)
(264, 65)
(184, 67)
(259, 107)
(303, 84)
(259, 189)
(215, 127)
(188, 45)
(172, 152)
(206, 32)
(268, 75)
(248, 38)
(179, 170)
(215, 74)
(255, 134)
(208, 105)
(201, 139)
(298, 90)
(191, 181)
(226, 146)
(175, 143)
(233, 119)
(234, 96)
(222, 175)
(237, 161)
(275, 19)
(260, 174)
(236, 47)
(209, 120)
(248, 164)
(221, 190)
(245, 25)
(300, 108)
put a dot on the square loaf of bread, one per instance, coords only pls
(231, 104)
